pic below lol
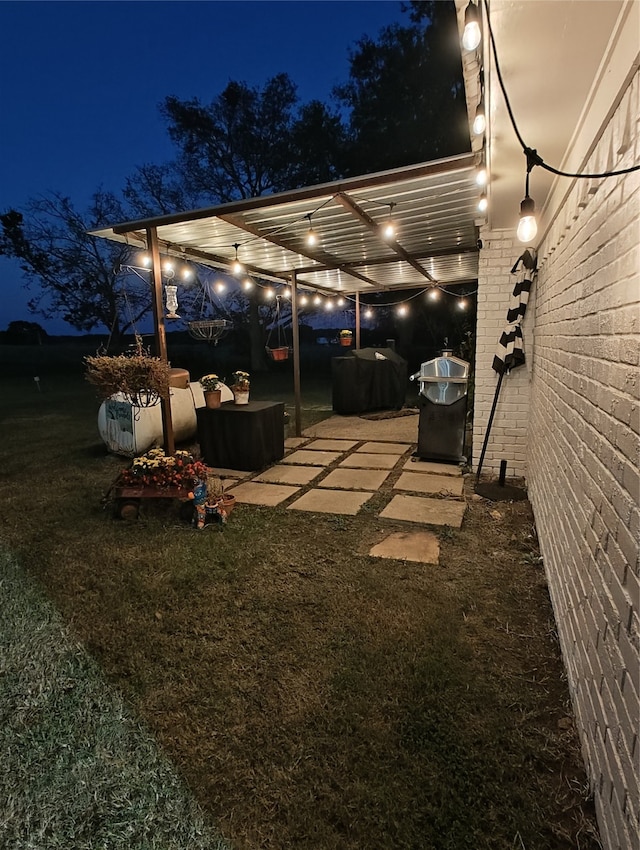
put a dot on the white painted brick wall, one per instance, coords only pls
(583, 449)
(508, 436)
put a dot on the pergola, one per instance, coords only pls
(433, 205)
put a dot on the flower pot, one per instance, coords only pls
(281, 353)
(241, 396)
(212, 398)
(346, 341)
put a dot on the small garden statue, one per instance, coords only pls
(199, 498)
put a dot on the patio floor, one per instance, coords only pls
(340, 464)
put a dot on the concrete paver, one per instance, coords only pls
(425, 510)
(255, 493)
(294, 442)
(331, 445)
(331, 502)
(396, 429)
(420, 546)
(417, 465)
(310, 458)
(423, 482)
(355, 479)
(385, 448)
(363, 460)
(289, 474)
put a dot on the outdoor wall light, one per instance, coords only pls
(472, 35)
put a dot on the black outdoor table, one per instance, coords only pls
(246, 437)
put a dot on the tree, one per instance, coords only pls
(78, 274)
(249, 141)
(405, 93)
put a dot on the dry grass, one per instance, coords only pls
(311, 696)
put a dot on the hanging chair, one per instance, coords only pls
(280, 350)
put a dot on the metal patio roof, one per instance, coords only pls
(433, 206)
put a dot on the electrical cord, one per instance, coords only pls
(533, 158)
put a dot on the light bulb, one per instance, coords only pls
(482, 176)
(304, 301)
(187, 274)
(368, 314)
(311, 237)
(146, 260)
(328, 305)
(402, 310)
(247, 283)
(471, 36)
(237, 267)
(528, 226)
(317, 300)
(434, 293)
(483, 203)
(340, 302)
(480, 121)
(167, 267)
(220, 287)
(269, 293)
(286, 292)
(462, 304)
(388, 230)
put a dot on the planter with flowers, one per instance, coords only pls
(156, 475)
(211, 388)
(346, 338)
(142, 379)
(240, 387)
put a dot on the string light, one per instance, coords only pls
(340, 302)
(317, 300)
(480, 121)
(368, 313)
(434, 293)
(472, 34)
(247, 283)
(482, 176)
(269, 293)
(328, 305)
(483, 203)
(303, 300)
(237, 267)
(462, 304)
(220, 287)
(388, 228)
(403, 310)
(312, 237)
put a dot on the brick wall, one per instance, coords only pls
(582, 461)
(508, 436)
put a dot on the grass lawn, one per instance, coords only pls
(308, 695)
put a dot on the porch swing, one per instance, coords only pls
(280, 351)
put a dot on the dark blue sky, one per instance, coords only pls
(81, 83)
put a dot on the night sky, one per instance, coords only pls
(81, 83)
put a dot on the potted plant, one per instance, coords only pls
(211, 387)
(346, 338)
(142, 379)
(240, 387)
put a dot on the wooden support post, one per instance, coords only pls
(357, 320)
(160, 335)
(296, 352)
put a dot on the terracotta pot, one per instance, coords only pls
(212, 398)
(346, 341)
(281, 353)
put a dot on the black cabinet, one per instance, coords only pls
(368, 379)
(246, 437)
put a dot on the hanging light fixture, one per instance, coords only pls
(368, 313)
(317, 300)
(311, 238)
(528, 226)
(303, 300)
(483, 203)
(220, 287)
(472, 34)
(403, 310)
(171, 301)
(247, 283)
(482, 176)
(388, 228)
(237, 267)
(434, 293)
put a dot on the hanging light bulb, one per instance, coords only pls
(328, 305)
(187, 273)
(340, 302)
(388, 228)
(312, 237)
(527, 226)
(403, 310)
(220, 287)
(462, 304)
(483, 203)
(480, 121)
(237, 267)
(304, 301)
(472, 35)
(482, 176)
(247, 283)
(317, 300)
(167, 268)
(145, 259)
(286, 292)
(269, 293)
(368, 313)
(434, 293)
